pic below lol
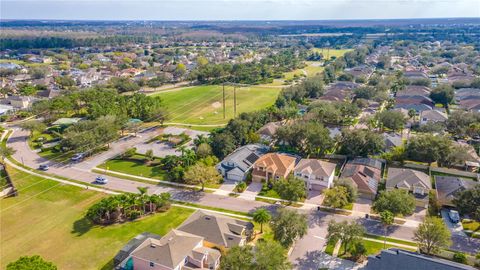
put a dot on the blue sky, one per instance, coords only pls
(236, 9)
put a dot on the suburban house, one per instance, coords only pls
(176, 250)
(392, 140)
(398, 259)
(434, 116)
(416, 182)
(273, 166)
(218, 231)
(20, 102)
(267, 132)
(236, 166)
(448, 186)
(317, 174)
(365, 174)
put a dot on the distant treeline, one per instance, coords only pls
(61, 42)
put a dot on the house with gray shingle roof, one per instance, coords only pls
(175, 250)
(236, 166)
(447, 187)
(416, 182)
(398, 259)
(434, 116)
(317, 174)
(218, 231)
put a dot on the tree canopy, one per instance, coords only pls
(288, 225)
(432, 235)
(396, 201)
(31, 262)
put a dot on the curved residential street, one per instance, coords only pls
(302, 252)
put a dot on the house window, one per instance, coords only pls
(152, 264)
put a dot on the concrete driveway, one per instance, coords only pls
(362, 205)
(226, 188)
(251, 192)
(454, 228)
(314, 197)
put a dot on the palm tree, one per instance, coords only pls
(387, 219)
(261, 216)
(6, 151)
(141, 198)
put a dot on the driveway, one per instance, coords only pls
(315, 197)
(419, 214)
(362, 205)
(226, 188)
(251, 192)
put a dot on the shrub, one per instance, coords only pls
(130, 152)
(241, 187)
(460, 257)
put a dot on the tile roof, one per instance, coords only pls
(279, 163)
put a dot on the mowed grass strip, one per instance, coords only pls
(203, 104)
(47, 218)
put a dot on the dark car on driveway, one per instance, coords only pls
(454, 216)
(43, 167)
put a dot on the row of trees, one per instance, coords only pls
(119, 208)
(96, 102)
(255, 72)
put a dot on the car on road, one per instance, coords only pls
(454, 216)
(101, 180)
(43, 167)
(77, 157)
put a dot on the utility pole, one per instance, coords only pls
(224, 100)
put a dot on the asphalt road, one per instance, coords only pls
(81, 172)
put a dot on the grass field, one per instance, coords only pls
(203, 104)
(329, 53)
(47, 219)
(135, 166)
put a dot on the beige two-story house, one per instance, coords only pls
(317, 174)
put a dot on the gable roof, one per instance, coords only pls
(170, 250)
(276, 162)
(448, 186)
(316, 167)
(434, 115)
(220, 230)
(400, 177)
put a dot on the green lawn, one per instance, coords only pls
(47, 219)
(203, 104)
(269, 193)
(471, 225)
(135, 166)
(373, 248)
(331, 52)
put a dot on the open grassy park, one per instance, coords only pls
(47, 219)
(331, 53)
(202, 105)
